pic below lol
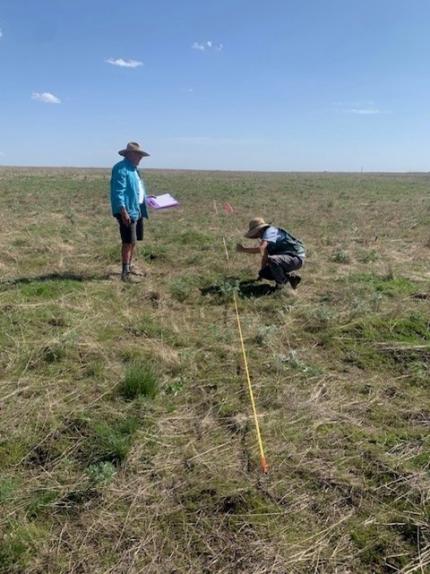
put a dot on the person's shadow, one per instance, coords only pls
(66, 276)
(249, 288)
(254, 288)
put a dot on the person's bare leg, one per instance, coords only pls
(132, 249)
(126, 255)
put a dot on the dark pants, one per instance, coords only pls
(279, 267)
(132, 232)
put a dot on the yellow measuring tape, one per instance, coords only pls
(263, 463)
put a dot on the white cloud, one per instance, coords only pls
(1, 32)
(365, 111)
(124, 63)
(368, 108)
(197, 46)
(45, 97)
(208, 45)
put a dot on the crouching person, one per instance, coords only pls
(281, 253)
(128, 204)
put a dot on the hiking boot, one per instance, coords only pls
(294, 280)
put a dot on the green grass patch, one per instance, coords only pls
(412, 328)
(341, 256)
(182, 288)
(41, 502)
(18, 545)
(51, 289)
(140, 380)
(110, 441)
(368, 256)
(376, 543)
(378, 341)
(195, 239)
(12, 450)
(387, 285)
(8, 486)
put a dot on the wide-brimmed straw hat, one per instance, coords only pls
(133, 146)
(255, 226)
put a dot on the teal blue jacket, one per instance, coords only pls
(124, 190)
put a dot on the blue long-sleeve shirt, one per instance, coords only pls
(124, 190)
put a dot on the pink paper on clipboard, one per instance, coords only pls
(161, 201)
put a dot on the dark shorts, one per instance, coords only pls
(287, 262)
(132, 232)
(279, 267)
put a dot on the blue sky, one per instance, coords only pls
(338, 85)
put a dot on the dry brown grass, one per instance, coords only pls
(95, 483)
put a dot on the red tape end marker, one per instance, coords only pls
(263, 464)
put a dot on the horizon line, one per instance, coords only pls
(239, 170)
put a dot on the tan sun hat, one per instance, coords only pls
(255, 226)
(133, 146)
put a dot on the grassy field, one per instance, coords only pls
(126, 438)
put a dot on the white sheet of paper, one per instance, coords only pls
(166, 200)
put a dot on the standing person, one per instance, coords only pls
(127, 193)
(281, 253)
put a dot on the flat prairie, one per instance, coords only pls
(127, 442)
